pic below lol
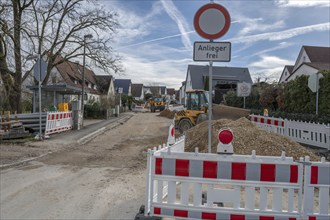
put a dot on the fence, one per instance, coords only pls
(234, 187)
(58, 122)
(303, 132)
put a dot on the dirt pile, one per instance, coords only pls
(167, 113)
(247, 137)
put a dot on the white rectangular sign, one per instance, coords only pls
(212, 51)
(243, 89)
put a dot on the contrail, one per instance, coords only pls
(157, 39)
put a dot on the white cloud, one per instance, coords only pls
(269, 62)
(179, 19)
(281, 45)
(256, 25)
(269, 67)
(303, 3)
(132, 26)
(282, 35)
(169, 73)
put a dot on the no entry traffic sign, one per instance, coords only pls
(212, 21)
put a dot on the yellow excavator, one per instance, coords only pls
(156, 104)
(196, 111)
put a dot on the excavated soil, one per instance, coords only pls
(247, 137)
(167, 113)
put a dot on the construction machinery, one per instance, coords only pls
(157, 104)
(195, 112)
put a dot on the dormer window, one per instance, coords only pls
(89, 85)
(75, 82)
(94, 87)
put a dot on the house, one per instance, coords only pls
(158, 91)
(125, 84)
(65, 85)
(223, 79)
(106, 86)
(310, 60)
(170, 94)
(182, 92)
(146, 90)
(288, 69)
(137, 92)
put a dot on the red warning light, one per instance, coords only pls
(172, 132)
(225, 136)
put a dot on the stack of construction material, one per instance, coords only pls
(10, 129)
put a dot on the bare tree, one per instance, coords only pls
(55, 29)
(12, 32)
(61, 26)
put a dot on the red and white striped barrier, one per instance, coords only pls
(317, 181)
(276, 125)
(171, 172)
(215, 215)
(317, 135)
(58, 121)
(224, 186)
(227, 170)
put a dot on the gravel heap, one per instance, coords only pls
(247, 137)
(167, 113)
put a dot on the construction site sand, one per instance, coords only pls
(247, 137)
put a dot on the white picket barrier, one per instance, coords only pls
(303, 132)
(58, 121)
(309, 133)
(317, 181)
(176, 181)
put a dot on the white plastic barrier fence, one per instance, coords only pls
(58, 121)
(275, 125)
(176, 181)
(317, 181)
(307, 133)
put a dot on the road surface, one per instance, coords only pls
(104, 179)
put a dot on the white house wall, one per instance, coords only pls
(303, 70)
(285, 74)
(303, 58)
(188, 83)
(111, 91)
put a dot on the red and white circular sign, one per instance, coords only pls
(212, 21)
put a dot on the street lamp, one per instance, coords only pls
(87, 36)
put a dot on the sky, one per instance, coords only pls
(155, 38)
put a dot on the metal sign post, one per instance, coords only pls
(39, 85)
(211, 21)
(210, 108)
(313, 84)
(243, 90)
(40, 70)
